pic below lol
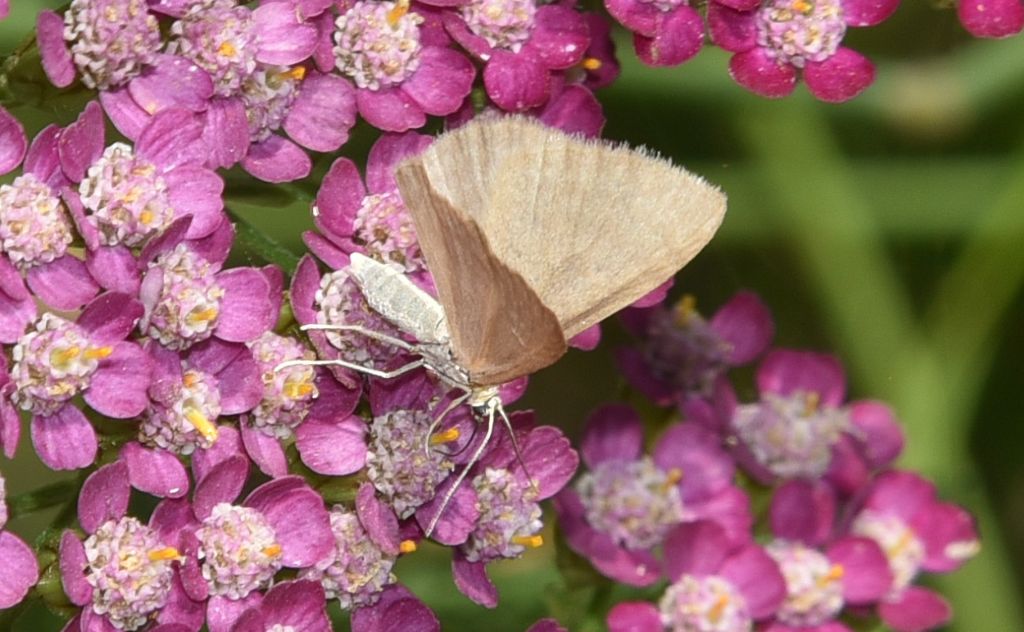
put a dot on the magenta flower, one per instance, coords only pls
(621, 510)
(824, 574)
(991, 18)
(716, 584)
(188, 298)
(106, 42)
(36, 228)
(665, 32)
(801, 427)
(777, 40)
(306, 403)
(10, 420)
(59, 359)
(682, 355)
(521, 44)
(371, 219)
(401, 63)
(191, 391)
(917, 532)
(398, 610)
(21, 570)
(546, 625)
(123, 575)
(233, 550)
(500, 504)
(294, 605)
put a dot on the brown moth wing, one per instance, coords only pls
(500, 329)
(591, 227)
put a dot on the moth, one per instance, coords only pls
(531, 236)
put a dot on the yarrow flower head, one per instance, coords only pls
(522, 44)
(289, 393)
(238, 549)
(124, 573)
(682, 355)
(665, 32)
(34, 226)
(221, 38)
(916, 532)
(372, 218)
(801, 427)
(717, 584)
(622, 508)
(774, 41)
(109, 41)
(59, 359)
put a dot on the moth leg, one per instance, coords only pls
(515, 445)
(462, 475)
(405, 368)
(437, 420)
(369, 333)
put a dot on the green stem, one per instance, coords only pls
(52, 495)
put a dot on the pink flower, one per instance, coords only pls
(619, 512)
(715, 582)
(522, 44)
(400, 62)
(681, 355)
(777, 40)
(665, 32)
(59, 359)
(917, 532)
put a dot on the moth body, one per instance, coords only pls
(392, 295)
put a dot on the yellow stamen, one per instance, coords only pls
(272, 551)
(168, 553)
(227, 49)
(834, 573)
(591, 63)
(811, 401)
(407, 546)
(132, 195)
(684, 310)
(295, 391)
(98, 353)
(203, 425)
(672, 477)
(297, 73)
(396, 14)
(65, 356)
(202, 316)
(190, 379)
(529, 541)
(717, 610)
(446, 436)
(146, 217)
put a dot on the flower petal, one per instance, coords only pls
(339, 198)
(114, 268)
(196, 191)
(284, 37)
(118, 387)
(613, 432)
(225, 132)
(390, 109)
(516, 82)
(277, 160)
(110, 317)
(471, 579)
(297, 605)
(756, 71)
(866, 574)
(155, 472)
(173, 137)
(758, 579)
(991, 18)
(264, 450)
(870, 12)
(731, 29)
(332, 447)
(64, 440)
(56, 57)
(245, 310)
(21, 570)
(915, 610)
(323, 113)
(841, 77)
(298, 517)
(63, 283)
(746, 324)
(695, 548)
(634, 616)
(171, 82)
(785, 372)
(222, 484)
(442, 80)
(13, 142)
(104, 496)
(72, 569)
(679, 36)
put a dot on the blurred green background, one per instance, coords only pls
(889, 230)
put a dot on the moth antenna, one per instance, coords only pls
(515, 445)
(369, 333)
(437, 421)
(415, 364)
(462, 475)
